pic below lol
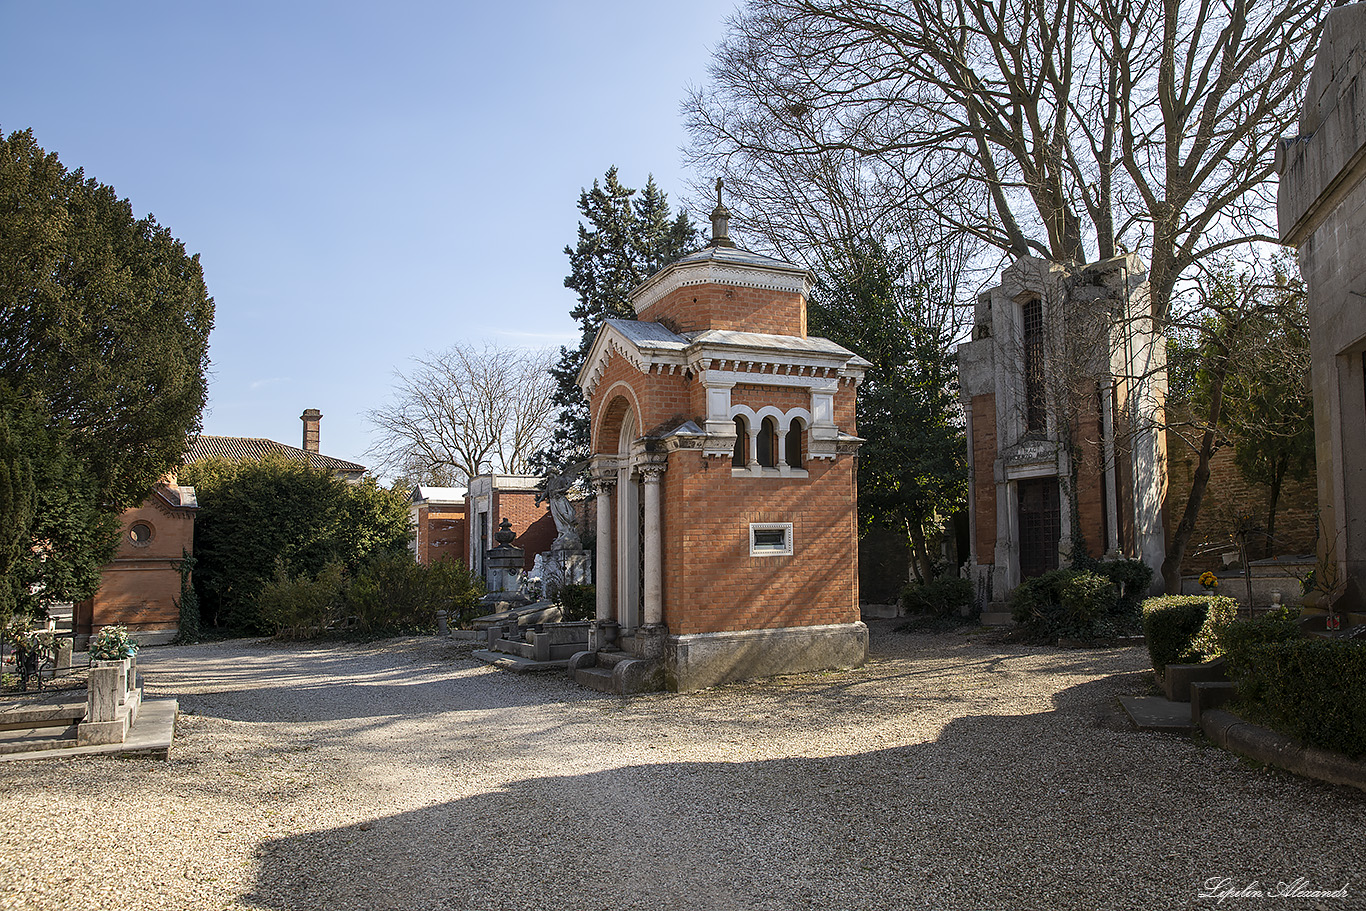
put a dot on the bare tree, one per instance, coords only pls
(464, 411)
(1063, 127)
(1074, 129)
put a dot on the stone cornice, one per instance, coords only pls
(792, 280)
(768, 365)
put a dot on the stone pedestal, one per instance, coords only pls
(63, 654)
(650, 640)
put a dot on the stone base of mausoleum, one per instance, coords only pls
(700, 660)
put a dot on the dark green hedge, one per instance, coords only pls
(1181, 629)
(391, 594)
(1237, 638)
(1074, 603)
(937, 598)
(579, 601)
(1311, 689)
(254, 516)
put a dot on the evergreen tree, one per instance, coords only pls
(912, 471)
(104, 325)
(625, 239)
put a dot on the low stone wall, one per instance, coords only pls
(1268, 577)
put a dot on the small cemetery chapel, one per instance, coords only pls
(1322, 213)
(1063, 384)
(724, 467)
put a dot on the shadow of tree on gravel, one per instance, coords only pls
(999, 811)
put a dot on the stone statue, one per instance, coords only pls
(557, 487)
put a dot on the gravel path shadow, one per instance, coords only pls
(952, 771)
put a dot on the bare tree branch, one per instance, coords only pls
(465, 411)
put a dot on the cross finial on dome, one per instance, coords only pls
(720, 221)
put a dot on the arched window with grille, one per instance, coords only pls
(768, 443)
(792, 444)
(739, 457)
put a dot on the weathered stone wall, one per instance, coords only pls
(1322, 211)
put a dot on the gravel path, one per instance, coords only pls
(953, 771)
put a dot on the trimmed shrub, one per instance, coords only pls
(1182, 629)
(1311, 689)
(1131, 577)
(579, 602)
(1068, 603)
(1035, 599)
(1236, 639)
(389, 595)
(1086, 597)
(937, 598)
(303, 607)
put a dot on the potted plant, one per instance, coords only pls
(113, 646)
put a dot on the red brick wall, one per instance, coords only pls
(445, 535)
(1228, 496)
(756, 396)
(983, 409)
(139, 589)
(664, 402)
(690, 309)
(534, 525)
(712, 584)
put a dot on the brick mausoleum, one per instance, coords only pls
(724, 464)
(140, 589)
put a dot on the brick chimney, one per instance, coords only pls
(311, 418)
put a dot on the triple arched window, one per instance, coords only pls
(776, 442)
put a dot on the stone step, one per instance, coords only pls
(596, 678)
(610, 660)
(997, 618)
(516, 663)
(27, 740)
(40, 713)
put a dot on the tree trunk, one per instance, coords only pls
(1176, 549)
(1277, 477)
(920, 555)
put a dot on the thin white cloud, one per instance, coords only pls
(269, 381)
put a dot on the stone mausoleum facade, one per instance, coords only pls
(1063, 385)
(724, 466)
(1322, 212)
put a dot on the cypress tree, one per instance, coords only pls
(624, 239)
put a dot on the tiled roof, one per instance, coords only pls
(649, 334)
(252, 449)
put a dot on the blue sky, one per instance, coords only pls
(363, 182)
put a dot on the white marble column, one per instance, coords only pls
(603, 578)
(651, 476)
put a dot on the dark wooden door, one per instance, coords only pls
(1040, 526)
